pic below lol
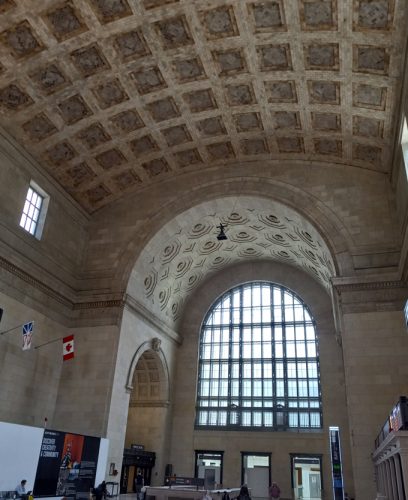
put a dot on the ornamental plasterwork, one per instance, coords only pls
(182, 261)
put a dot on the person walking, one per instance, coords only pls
(274, 491)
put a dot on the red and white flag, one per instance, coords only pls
(68, 347)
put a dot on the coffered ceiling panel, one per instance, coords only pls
(112, 96)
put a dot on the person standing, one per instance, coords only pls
(139, 483)
(244, 493)
(100, 491)
(274, 492)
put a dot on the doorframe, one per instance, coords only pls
(256, 454)
(292, 457)
(200, 452)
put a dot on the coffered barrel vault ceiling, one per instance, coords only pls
(185, 251)
(111, 96)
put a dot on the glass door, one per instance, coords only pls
(306, 477)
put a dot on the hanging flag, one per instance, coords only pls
(68, 347)
(27, 335)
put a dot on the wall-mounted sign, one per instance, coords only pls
(337, 472)
(137, 447)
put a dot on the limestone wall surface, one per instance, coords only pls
(375, 349)
(186, 439)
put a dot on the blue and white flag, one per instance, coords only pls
(27, 335)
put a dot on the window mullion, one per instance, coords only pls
(257, 375)
(230, 348)
(241, 334)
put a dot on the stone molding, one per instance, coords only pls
(395, 442)
(375, 296)
(149, 404)
(34, 282)
(376, 285)
(123, 299)
(99, 304)
(133, 305)
(89, 305)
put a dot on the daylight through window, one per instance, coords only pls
(258, 362)
(404, 144)
(31, 212)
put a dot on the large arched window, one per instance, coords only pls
(259, 362)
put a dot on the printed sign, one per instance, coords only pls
(67, 465)
(337, 473)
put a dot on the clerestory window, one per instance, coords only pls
(259, 362)
(34, 210)
(404, 144)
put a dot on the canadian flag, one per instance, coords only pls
(68, 347)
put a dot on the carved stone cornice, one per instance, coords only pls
(374, 285)
(395, 442)
(35, 282)
(370, 296)
(74, 305)
(149, 404)
(99, 304)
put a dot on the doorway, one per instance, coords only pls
(208, 466)
(306, 477)
(256, 473)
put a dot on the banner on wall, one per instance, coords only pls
(337, 472)
(67, 465)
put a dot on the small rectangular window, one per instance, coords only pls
(34, 210)
(406, 313)
(404, 144)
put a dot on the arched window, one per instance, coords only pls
(259, 362)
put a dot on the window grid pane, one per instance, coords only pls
(31, 211)
(259, 364)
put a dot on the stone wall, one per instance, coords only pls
(185, 439)
(58, 255)
(28, 379)
(140, 333)
(375, 348)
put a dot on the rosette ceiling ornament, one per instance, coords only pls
(257, 229)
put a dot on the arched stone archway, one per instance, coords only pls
(150, 357)
(149, 401)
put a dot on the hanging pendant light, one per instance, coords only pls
(221, 235)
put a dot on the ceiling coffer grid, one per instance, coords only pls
(112, 96)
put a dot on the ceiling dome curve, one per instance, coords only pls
(186, 250)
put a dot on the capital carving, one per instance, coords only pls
(156, 343)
